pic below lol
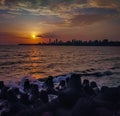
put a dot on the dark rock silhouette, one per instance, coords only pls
(94, 86)
(3, 94)
(44, 96)
(50, 86)
(74, 99)
(84, 107)
(34, 92)
(49, 82)
(26, 85)
(1, 84)
(70, 95)
(62, 85)
(87, 89)
(25, 99)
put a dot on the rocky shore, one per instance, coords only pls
(66, 96)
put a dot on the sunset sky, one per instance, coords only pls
(33, 21)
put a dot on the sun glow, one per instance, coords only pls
(33, 36)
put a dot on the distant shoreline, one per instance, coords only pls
(57, 42)
(65, 45)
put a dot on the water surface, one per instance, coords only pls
(42, 61)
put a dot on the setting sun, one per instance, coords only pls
(33, 36)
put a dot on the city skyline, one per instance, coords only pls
(76, 42)
(34, 21)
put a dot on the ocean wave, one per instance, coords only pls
(111, 59)
(10, 63)
(115, 67)
(37, 72)
(99, 74)
(58, 78)
(19, 62)
(52, 65)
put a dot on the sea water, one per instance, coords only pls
(101, 64)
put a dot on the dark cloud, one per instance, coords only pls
(80, 20)
(53, 4)
(87, 16)
(68, 12)
(107, 3)
(10, 3)
(49, 36)
(94, 10)
(41, 3)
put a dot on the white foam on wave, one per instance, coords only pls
(57, 79)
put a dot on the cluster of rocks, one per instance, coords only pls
(70, 98)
